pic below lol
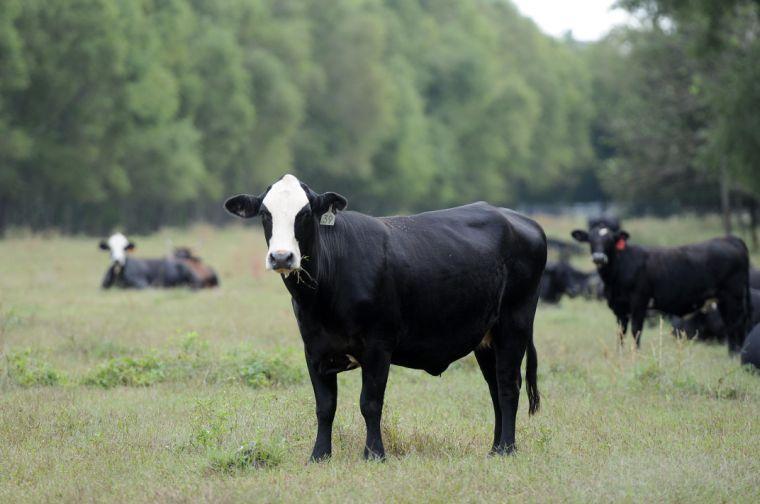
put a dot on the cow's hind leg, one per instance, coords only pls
(514, 335)
(487, 361)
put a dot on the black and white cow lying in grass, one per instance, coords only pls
(127, 272)
(674, 281)
(420, 291)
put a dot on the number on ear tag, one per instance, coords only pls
(328, 218)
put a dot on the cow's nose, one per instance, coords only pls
(599, 258)
(281, 259)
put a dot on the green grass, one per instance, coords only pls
(182, 396)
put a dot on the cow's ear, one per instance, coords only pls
(323, 202)
(243, 205)
(580, 235)
(130, 246)
(622, 235)
(103, 245)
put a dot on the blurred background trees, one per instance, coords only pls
(145, 113)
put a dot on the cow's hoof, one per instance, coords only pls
(319, 457)
(502, 450)
(373, 456)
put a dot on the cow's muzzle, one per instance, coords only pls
(281, 261)
(599, 258)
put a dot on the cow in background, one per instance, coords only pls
(674, 281)
(130, 273)
(205, 274)
(707, 324)
(750, 353)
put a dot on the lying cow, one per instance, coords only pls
(750, 353)
(420, 291)
(674, 281)
(204, 273)
(128, 272)
(707, 324)
(561, 278)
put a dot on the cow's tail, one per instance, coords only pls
(531, 369)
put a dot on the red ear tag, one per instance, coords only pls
(620, 244)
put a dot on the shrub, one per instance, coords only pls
(28, 371)
(128, 371)
(255, 455)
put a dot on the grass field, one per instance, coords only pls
(149, 396)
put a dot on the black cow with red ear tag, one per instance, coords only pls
(675, 281)
(420, 291)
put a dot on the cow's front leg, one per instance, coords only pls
(326, 396)
(375, 367)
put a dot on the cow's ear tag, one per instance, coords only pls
(328, 218)
(620, 245)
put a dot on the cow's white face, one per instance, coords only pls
(282, 203)
(117, 245)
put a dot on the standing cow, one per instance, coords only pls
(420, 291)
(674, 281)
(131, 273)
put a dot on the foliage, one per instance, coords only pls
(140, 114)
(27, 370)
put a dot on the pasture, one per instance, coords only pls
(149, 396)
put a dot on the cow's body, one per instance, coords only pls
(750, 353)
(674, 281)
(130, 273)
(144, 273)
(561, 278)
(419, 291)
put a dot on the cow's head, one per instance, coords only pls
(290, 213)
(117, 245)
(604, 242)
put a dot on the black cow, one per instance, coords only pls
(707, 324)
(560, 278)
(420, 291)
(750, 353)
(674, 281)
(128, 272)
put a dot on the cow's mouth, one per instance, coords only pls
(284, 271)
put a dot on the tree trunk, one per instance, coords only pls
(725, 198)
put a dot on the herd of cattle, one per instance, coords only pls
(423, 291)
(707, 290)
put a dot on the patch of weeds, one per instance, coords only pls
(26, 370)
(254, 455)
(210, 424)
(258, 370)
(128, 371)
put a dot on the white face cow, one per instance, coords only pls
(117, 245)
(290, 214)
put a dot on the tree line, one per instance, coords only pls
(145, 113)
